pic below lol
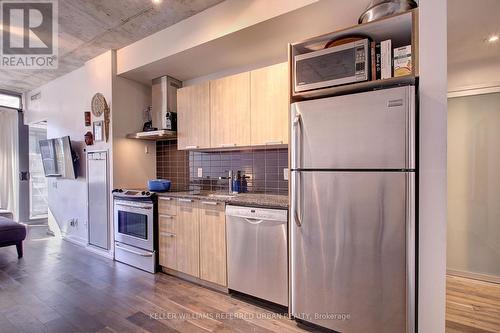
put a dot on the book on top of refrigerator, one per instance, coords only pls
(402, 61)
(386, 59)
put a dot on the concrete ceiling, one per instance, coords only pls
(259, 45)
(470, 24)
(91, 27)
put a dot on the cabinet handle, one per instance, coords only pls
(166, 199)
(274, 143)
(186, 200)
(226, 145)
(192, 147)
(210, 203)
(166, 216)
(166, 234)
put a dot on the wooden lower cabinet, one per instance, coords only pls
(188, 237)
(167, 206)
(193, 241)
(167, 241)
(213, 242)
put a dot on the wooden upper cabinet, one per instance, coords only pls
(269, 105)
(230, 111)
(213, 242)
(193, 116)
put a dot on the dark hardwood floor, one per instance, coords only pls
(59, 287)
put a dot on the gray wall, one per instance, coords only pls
(474, 184)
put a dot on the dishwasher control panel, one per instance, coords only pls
(257, 213)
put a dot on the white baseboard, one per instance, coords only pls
(474, 276)
(104, 253)
(75, 240)
(83, 243)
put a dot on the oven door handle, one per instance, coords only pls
(142, 254)
(133, 206)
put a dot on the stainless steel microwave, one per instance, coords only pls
(347, 63)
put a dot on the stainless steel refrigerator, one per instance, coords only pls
(353, 211)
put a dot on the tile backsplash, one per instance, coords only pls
(263, 167)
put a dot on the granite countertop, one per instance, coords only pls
(242, 199)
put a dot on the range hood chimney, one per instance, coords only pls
(164, 100)
(164, 109)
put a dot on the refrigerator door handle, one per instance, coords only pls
(297, 144)
(410, 251)
(297, 199)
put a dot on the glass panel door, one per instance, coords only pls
(38, 182)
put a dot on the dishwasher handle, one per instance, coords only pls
(253, 221)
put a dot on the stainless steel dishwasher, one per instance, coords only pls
(258, 252)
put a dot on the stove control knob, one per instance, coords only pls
(148, 194)
(143, 192)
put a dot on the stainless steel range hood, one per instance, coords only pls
(160, 135)
(164, 100)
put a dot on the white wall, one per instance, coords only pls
(474, 184)
(62, 104)
(134, 161)
(432, 182)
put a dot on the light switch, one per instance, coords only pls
(285, 174)
(200, 172)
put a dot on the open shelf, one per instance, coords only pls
(401, 29)
(356, 87)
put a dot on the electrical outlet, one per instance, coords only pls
(54, 183)
(285, 174)
(200, 172)
(73, 223)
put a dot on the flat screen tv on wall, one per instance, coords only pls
(58, 158)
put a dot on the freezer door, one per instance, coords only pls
(371, 130)
(349, 233)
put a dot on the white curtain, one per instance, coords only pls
(9, 159)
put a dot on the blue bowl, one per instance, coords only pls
(159, 185)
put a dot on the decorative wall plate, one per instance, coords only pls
(99, 105)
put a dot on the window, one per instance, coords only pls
(38, 182)
(10, 101)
